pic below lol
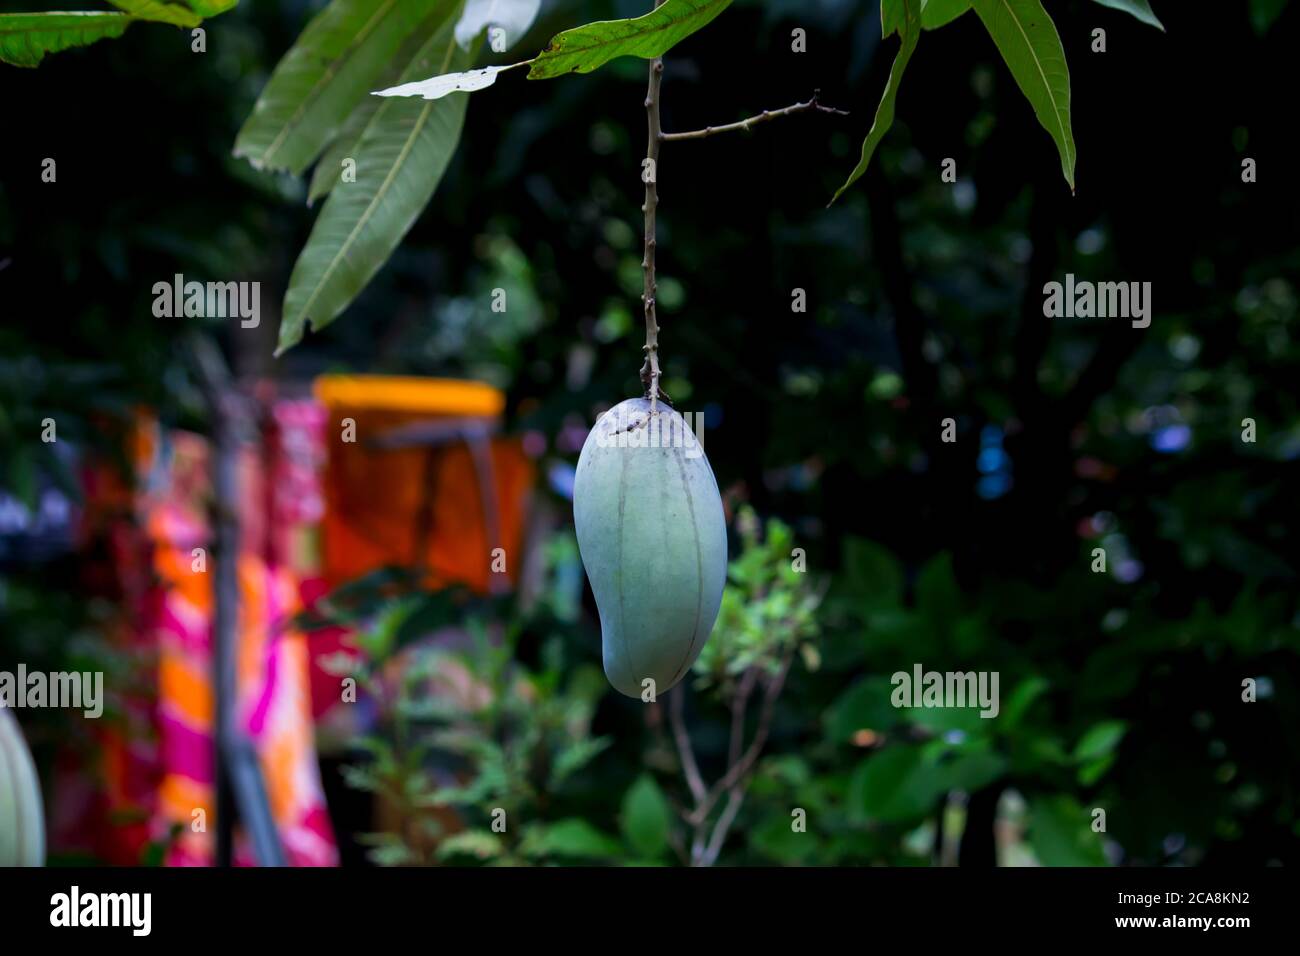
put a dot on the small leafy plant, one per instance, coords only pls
(470, 749)
(768, 618)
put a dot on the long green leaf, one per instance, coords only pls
(329, 169)
(937, 13)
(25, 38)
(159, 11)
(401, 157)
(332, 66)
(1138, 8)
(1028, 42)
(591, 46)
(907, 22)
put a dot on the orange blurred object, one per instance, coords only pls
(415, 477)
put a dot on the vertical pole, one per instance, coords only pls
(240, 790)
(225, 617)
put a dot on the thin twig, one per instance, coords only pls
(741, 768)
(738, 705)
(762, 117)
(682, 739)
(734, 799)
(650, 173)
(698, 845)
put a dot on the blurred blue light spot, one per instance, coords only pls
(963, 195)
(994, 486)
(992, 459)
(1171, 438)
(560, 477)
(1128, 570)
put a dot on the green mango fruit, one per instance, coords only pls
(22, 821)
(653, 539)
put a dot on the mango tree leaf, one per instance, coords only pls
(439, 86)
(335, 62)
(514, 17)
(1138, 8)
(645, 818)
(1028, 42)
(909, 28)
(581, 49)
(937, 13)
(329, 168)
(591, 46)
(159, 11)
(401, 156)
(25, 38)
(893, 16)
